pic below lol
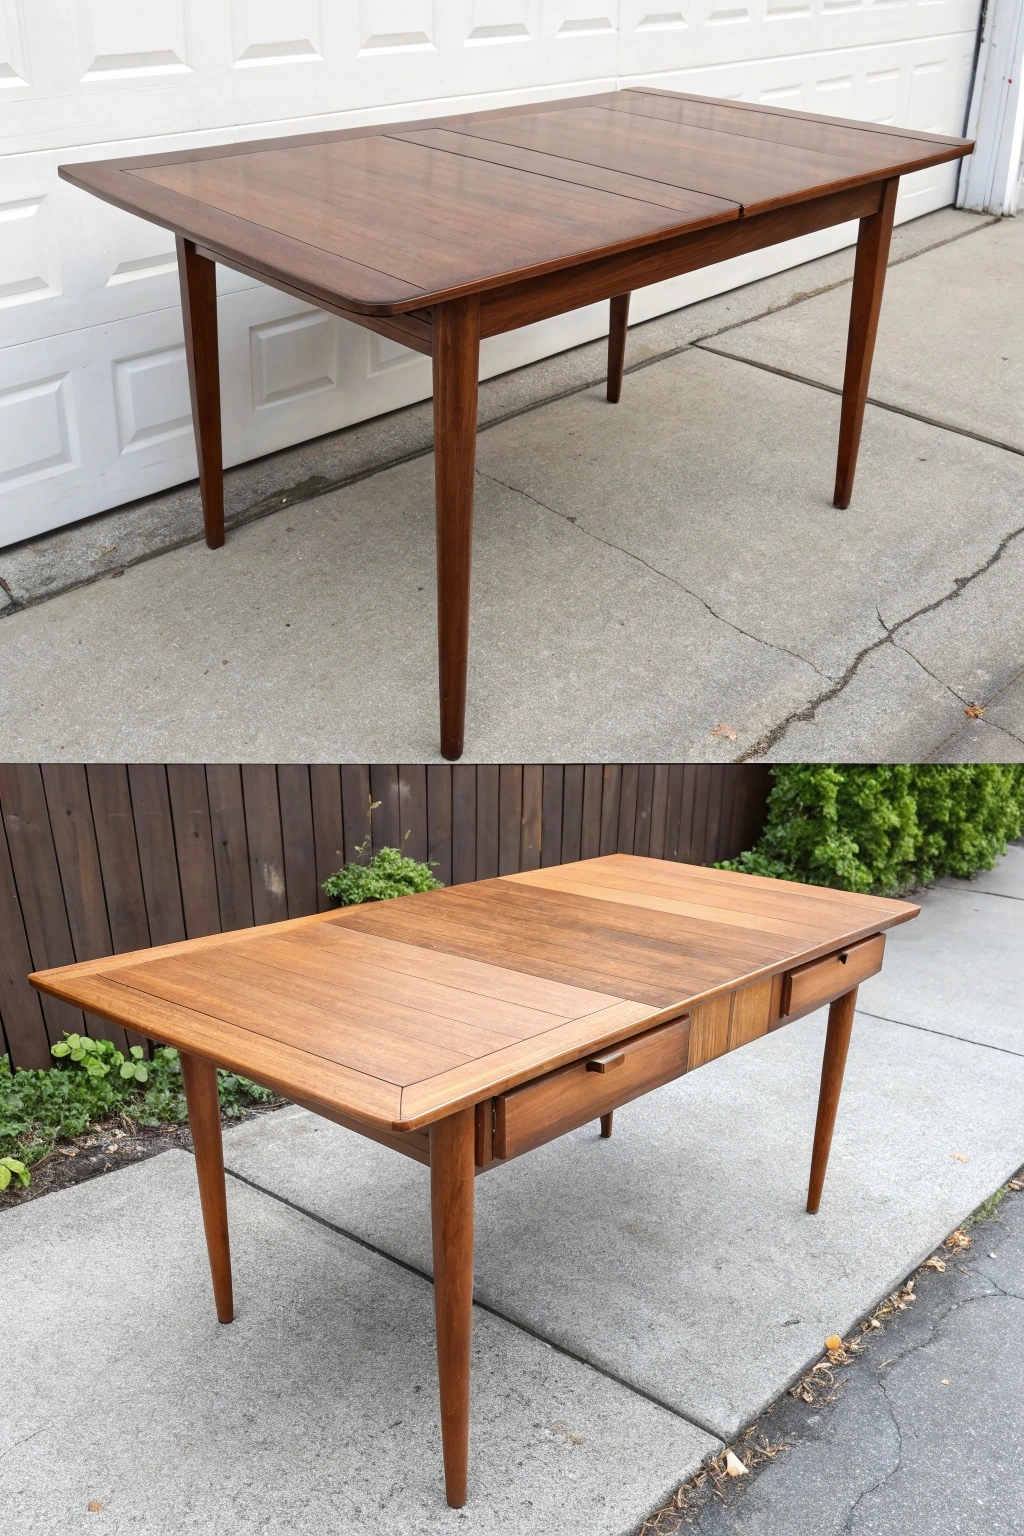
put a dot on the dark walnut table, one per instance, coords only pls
(464, 1027)
(437, 233)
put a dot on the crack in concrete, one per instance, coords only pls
(8, 1450)
(665, 576)
(927, 1029)
(1005, 729)
(807, 712)
(842, 282)
(483, 1306)
(847, 1526)
(882, 405)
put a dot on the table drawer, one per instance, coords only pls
(526, 1117)
(821, 980)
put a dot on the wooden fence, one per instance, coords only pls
(101, 859)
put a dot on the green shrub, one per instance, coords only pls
(886, 828)
(94, 1082)
(389, 873)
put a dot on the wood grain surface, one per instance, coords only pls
(398, 1013)
(387, 220)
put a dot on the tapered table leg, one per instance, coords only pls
(865, 306)
(451, 1211)
(198, 278)
(606, 1124)
(617, 345)
(200, 1079)
(837, 1043)
(456, 349)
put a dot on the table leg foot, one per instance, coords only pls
(617, 345)
(451, 1209)
(197, 276)
(200, 1079)
(456, 351)
(606, 1124)
(865, 306)
(837, 1043)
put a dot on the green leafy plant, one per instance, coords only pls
(10, 1167)
(885, 828)
(94, 1082)
(389, 873)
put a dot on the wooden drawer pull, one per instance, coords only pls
(606, 1061)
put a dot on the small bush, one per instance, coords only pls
(389, 873)
(94, 1082)
(887, 828)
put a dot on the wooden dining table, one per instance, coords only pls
(466, 1027)
(439, 232)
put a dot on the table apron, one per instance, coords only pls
(540, 298)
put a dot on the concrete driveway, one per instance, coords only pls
(638, 1300)
(643, 573)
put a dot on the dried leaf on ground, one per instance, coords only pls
(934, 1263)
(957, 1241)
(974, 711)
(724, 733)
(957, 1157)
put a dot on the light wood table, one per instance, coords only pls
(467, 1026)
(440, 232)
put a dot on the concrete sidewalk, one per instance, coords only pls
(643, 573)
(639, 1300)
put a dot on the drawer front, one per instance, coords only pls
(821, 980)
(526, 1117)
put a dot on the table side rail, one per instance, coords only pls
(527, 300)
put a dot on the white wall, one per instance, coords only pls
(93, 393)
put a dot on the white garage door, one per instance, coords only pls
(93, 393)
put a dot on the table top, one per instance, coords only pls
(385, 220)
(400, 1012)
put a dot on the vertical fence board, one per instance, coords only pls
(611, 784)
(21, 1008)
(686, 843)
(78, 860)
(114, 858)
(34, 862)
(297, 839)
(412, 811)
(673, 810)
(266, 850)
(644, 797)
(355, 811)
(328, 827)
(190, 814)
(572, 813)
(158, 864)
(625, 836)
(439, 820)
(552, 810)
(487, 820)
(230, 845)
(118, 851)
(510, 817)
(74, 842)
(659, 810)
(714, 820)
(463, 823)
(384, 815)
(530, 830)
(590, 826)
